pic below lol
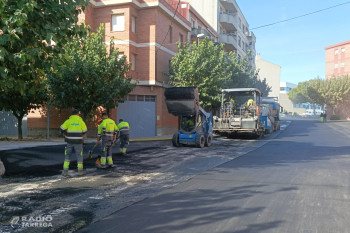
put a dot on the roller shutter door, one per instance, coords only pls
(140, 112)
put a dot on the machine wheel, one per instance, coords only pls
(200, 140)
(175, 140)
(208, 140)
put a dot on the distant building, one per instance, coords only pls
(288, 105)
(227, 19)
(272, 74)
(338, 59)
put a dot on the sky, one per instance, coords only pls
(298, 45)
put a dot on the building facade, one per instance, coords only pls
(272, 74)
(338, 59)
(228, 20)
(146, 33)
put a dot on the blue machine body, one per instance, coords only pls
(267, 122)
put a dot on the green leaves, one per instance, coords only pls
(88, 77)
(209, 68)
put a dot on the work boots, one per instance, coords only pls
(65, 173)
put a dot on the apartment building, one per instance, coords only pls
(338, 59)
(272, 74)
(228, 20)
(146, 33)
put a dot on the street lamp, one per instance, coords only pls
(200, 36)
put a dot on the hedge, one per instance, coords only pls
(335, 118)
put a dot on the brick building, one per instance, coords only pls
(139, 28)
(338, 59)
(338, 64)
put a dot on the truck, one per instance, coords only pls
(270, 114)
(237, 115)
(195, 123)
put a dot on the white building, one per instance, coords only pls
(228, 20)
(272, 74)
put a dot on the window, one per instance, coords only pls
(199, 27)
(239, 41)
(192, 23)
(181, 39)
(342, 65)
(239, 57)
(336, 52)
(281, 88)
(118, 23)
(240, 23)
(336, 66)
(133, 61)
(343, 50)
(243, 29)
(133, 24)
(243, 46)
(170, 34)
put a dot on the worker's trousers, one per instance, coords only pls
(78, 149)
(106, 152)
(124, 142)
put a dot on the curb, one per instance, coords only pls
(150, 139)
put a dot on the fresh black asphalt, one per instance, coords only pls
(297, 183)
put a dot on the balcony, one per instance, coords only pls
(229, 40)
(250, 36)
(228, 21)
(229, 5)
(196, 31)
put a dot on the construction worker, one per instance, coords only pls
(233, 101)
(124, 132)
(250, 102)
(107, 130)
(73, 129)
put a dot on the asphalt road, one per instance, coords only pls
(296, 183)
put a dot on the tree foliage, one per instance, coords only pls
(299, 94)
(93, 76)
(209, 68)
(27, 27)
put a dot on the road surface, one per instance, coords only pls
(296, 183)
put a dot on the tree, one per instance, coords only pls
(91, 77)
(20, 104)
(299, 94)
(204, 66)
(336, 91)
(27, 27)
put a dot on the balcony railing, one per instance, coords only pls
(229, 21)
(230, 5)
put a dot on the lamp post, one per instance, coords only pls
(200, 36)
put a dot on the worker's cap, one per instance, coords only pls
(75, 112)
(99, 121)
(120, 119)
(104, 114)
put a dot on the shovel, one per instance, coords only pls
(90, 153)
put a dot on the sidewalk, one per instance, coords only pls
(28, 142)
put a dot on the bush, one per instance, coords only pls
(335, 118)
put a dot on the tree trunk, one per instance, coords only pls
(19, 119)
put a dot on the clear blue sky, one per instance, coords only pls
(298, 45)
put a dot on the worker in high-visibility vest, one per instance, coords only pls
(73, 129)
(124, 135)
(250, 102)
(107, 130)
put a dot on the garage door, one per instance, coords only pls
(140, 112)
(9, 124)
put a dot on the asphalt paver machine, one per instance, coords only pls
(195, 123)
(240, 112)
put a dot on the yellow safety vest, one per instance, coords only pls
(75, 128)
(107, 129)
